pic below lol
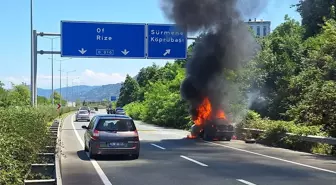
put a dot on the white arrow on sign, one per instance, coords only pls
(82, 51)
(125, 52)
(167, 52)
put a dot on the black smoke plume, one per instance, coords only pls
(226, 44)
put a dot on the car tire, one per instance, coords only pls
(228, 138)
(91, 155)
(135, 156)
(206, 137)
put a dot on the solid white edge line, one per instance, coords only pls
(245, 182)
(275, 158)
(158, 146)
(98, 169)
(193, 160)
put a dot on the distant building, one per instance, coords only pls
(260, 27)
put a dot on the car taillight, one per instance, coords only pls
(137, 135)
(95, 134)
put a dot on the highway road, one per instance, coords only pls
(167, 158)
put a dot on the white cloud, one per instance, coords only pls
(88, 77)
(99, 78)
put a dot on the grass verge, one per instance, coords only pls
(23, 134)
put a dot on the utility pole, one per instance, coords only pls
(60, 70)
(67, 89)
(60, 82)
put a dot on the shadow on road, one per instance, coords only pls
(83, 156)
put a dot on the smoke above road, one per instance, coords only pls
(226, 44)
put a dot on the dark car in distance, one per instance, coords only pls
(111, 134)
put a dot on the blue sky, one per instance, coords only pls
(15, 37)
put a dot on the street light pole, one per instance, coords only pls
(60, 82)
(52, 67)
(67, 89)
(72, 89)
(32, 92)
(61, 77)
(52, 72)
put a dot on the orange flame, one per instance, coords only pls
(204, 113)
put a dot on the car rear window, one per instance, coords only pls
(121, 125)
(83, 112)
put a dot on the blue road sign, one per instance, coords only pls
(166, 41)
(113, 98)
(102, 40)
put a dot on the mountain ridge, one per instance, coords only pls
(84, 92)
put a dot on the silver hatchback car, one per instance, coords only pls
(111, 134)
(83, 115)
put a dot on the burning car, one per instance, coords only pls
(210, 124)
(216, 129)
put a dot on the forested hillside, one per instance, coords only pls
(288, 86)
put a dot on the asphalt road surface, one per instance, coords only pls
(167, 158)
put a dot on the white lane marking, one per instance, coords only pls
(100, 172)
(245, 182)
(192, 160)
(158, 146)
(267, 156)
(275, 158)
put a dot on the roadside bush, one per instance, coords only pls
(135, 110)
(274, 134)
(23, 133)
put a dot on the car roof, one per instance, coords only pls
(112, 116)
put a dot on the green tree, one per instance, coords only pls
(128, 91)
(313, 13)
(57, 98)
(3, 96)
(147, 74)
(78, 102)
(315, 85)
(42, 100)
(279, 59)
(19, 95)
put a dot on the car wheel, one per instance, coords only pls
(206, 137)
(85, 148)
(91, 155)
(228, 138)
(135, 156)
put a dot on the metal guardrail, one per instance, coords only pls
(308, 138)
(58, 154)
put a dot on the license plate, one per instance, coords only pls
(116, 144)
